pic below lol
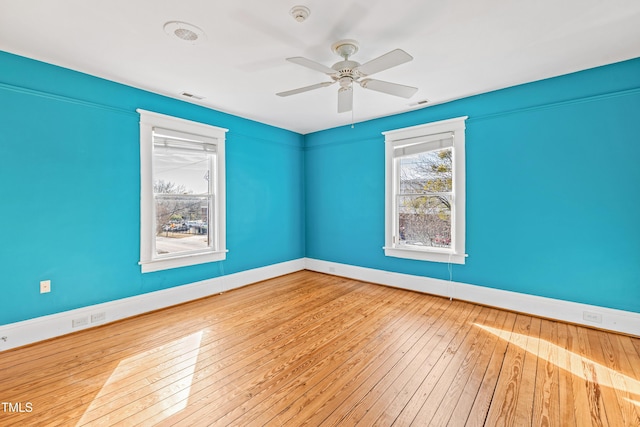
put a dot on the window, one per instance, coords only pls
(425, 192)
(182, 200)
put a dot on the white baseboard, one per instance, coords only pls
(45, 327)
(603, 318)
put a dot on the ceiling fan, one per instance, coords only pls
(347, 72)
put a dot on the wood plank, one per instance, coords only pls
(526, 389)
(426, 387)
(459, 396)
(610, 368)
(437, 408)
(371, 352)
(463, 407)
(582, 403)
(353, 401)
(410, 381)
(505, 400)
(568, 403)
(482, 402)
(349, 399)
(546, 409)
(374, 392)
(624, 362)
(636, 344)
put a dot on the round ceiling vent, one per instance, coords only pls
(184, 32)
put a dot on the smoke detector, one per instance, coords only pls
(300, 13)
(184, 32)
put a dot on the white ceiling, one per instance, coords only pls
(460, 47)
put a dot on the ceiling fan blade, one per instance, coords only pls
(345, 99)
(304, 89)
(386, 61)
(389, 88)
(312, 64)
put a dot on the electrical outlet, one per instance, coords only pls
(592, 317)
(98, 317)
(45, 286)
(80, 321)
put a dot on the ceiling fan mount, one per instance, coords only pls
(346, 72)
(345, 48)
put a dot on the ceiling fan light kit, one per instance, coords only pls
(346, 72)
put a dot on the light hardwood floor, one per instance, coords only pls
(312, 349)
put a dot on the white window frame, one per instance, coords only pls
(399, 137)
(149, 259)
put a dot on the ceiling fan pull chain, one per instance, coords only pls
(352, 118)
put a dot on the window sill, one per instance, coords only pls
(181, 261)
(426, 255)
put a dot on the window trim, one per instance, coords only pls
(398, 137)
(149, 261)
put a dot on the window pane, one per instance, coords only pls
(426, 172)
(180, 172)
(424, 220)
(182, 223)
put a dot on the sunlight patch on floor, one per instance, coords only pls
(148, 383)
(634, 402)
(578, 365)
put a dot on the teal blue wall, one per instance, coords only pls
(70, 191)
(553, 189)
